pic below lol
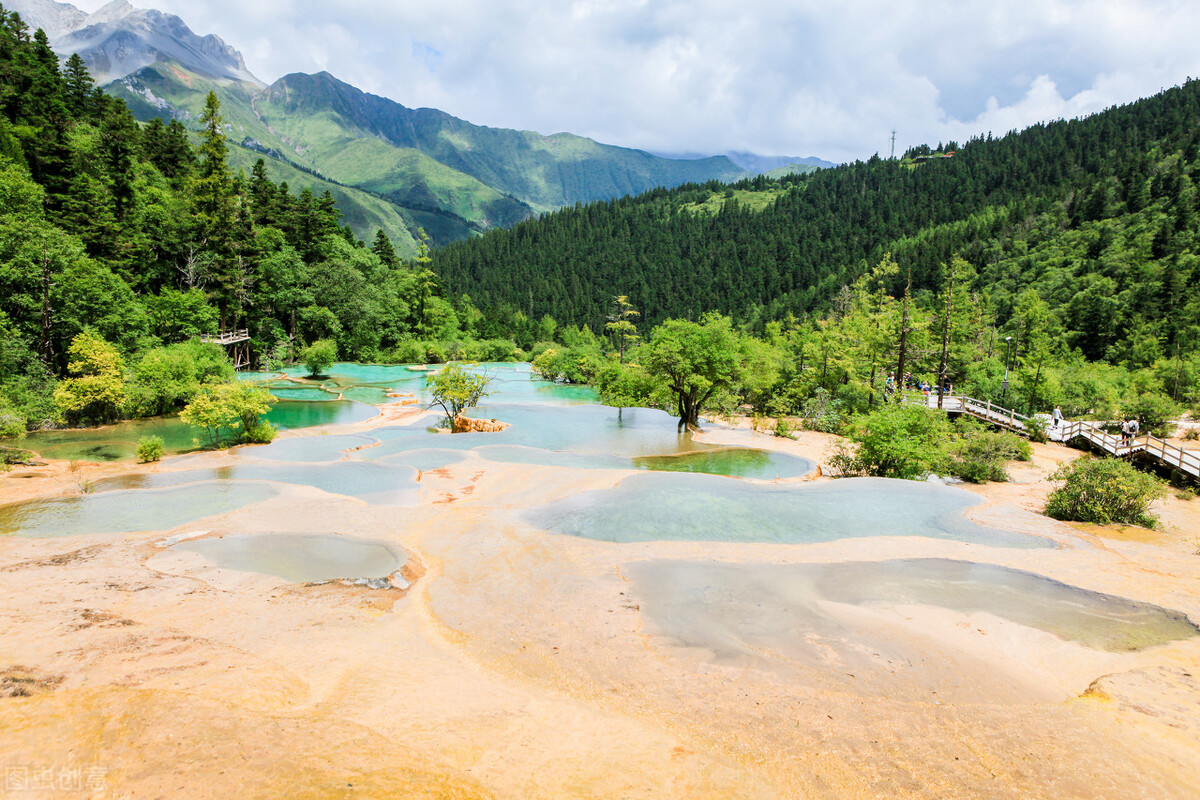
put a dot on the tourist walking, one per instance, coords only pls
(1125, 431)
(1057, 416)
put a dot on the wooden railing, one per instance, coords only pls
(227, 337)
(983, 409)
(1185, 461)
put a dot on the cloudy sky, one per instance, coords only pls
(775, 77)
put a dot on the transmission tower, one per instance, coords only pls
(893, 154)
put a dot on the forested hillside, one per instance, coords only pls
(121, 243)
(1097, 215)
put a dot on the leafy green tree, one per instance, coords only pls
(578, 364)
(621, 325)
(175, 316)
(168, 149)
(319, 355)
(213, 183)
(425, 286)
(79, 87)
(455, 388)
(1153, 412)
(318, 322)
(96, 389)
(166, 378)
(227, 412)
(382, 247)
(693, 361)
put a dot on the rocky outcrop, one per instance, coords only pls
(467, 425)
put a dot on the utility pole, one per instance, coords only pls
(892, 157)
(904, 329)
(46, 344)
(941, 378)
(1007, 362)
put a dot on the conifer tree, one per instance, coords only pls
(79, 88)
(382, 247)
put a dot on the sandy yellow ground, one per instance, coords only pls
(521, 665)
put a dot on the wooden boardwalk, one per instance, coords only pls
(1166, 454)
(1185, 461)
(980, 409)
(231, 339)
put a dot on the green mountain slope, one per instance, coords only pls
(544, 171)
(453, 178)
(167, 89)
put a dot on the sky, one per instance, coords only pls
(773, 77)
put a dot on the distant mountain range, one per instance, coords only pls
(119, 40)
(390, 167)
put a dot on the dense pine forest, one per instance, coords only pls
(1097, 215)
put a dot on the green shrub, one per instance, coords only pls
(231, 409)
(785, 428)
(823, 413)
(568, 365)
(980, 454)
(408, 352)
(896, 442)
(435, 353)
(261, 432)
(1104, 490)
(1037, 429)
(539, 348)
(12, 425)
(319, 356)
(150, 448)
(14, 455)
(487, 350)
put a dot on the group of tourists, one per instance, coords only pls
(912, 382)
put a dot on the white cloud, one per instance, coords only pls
(797, 77)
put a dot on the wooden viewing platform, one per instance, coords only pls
(226, 337)
(237, 340)
(1164, 453)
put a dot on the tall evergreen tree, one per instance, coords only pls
(382, 247)
(81, 100)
